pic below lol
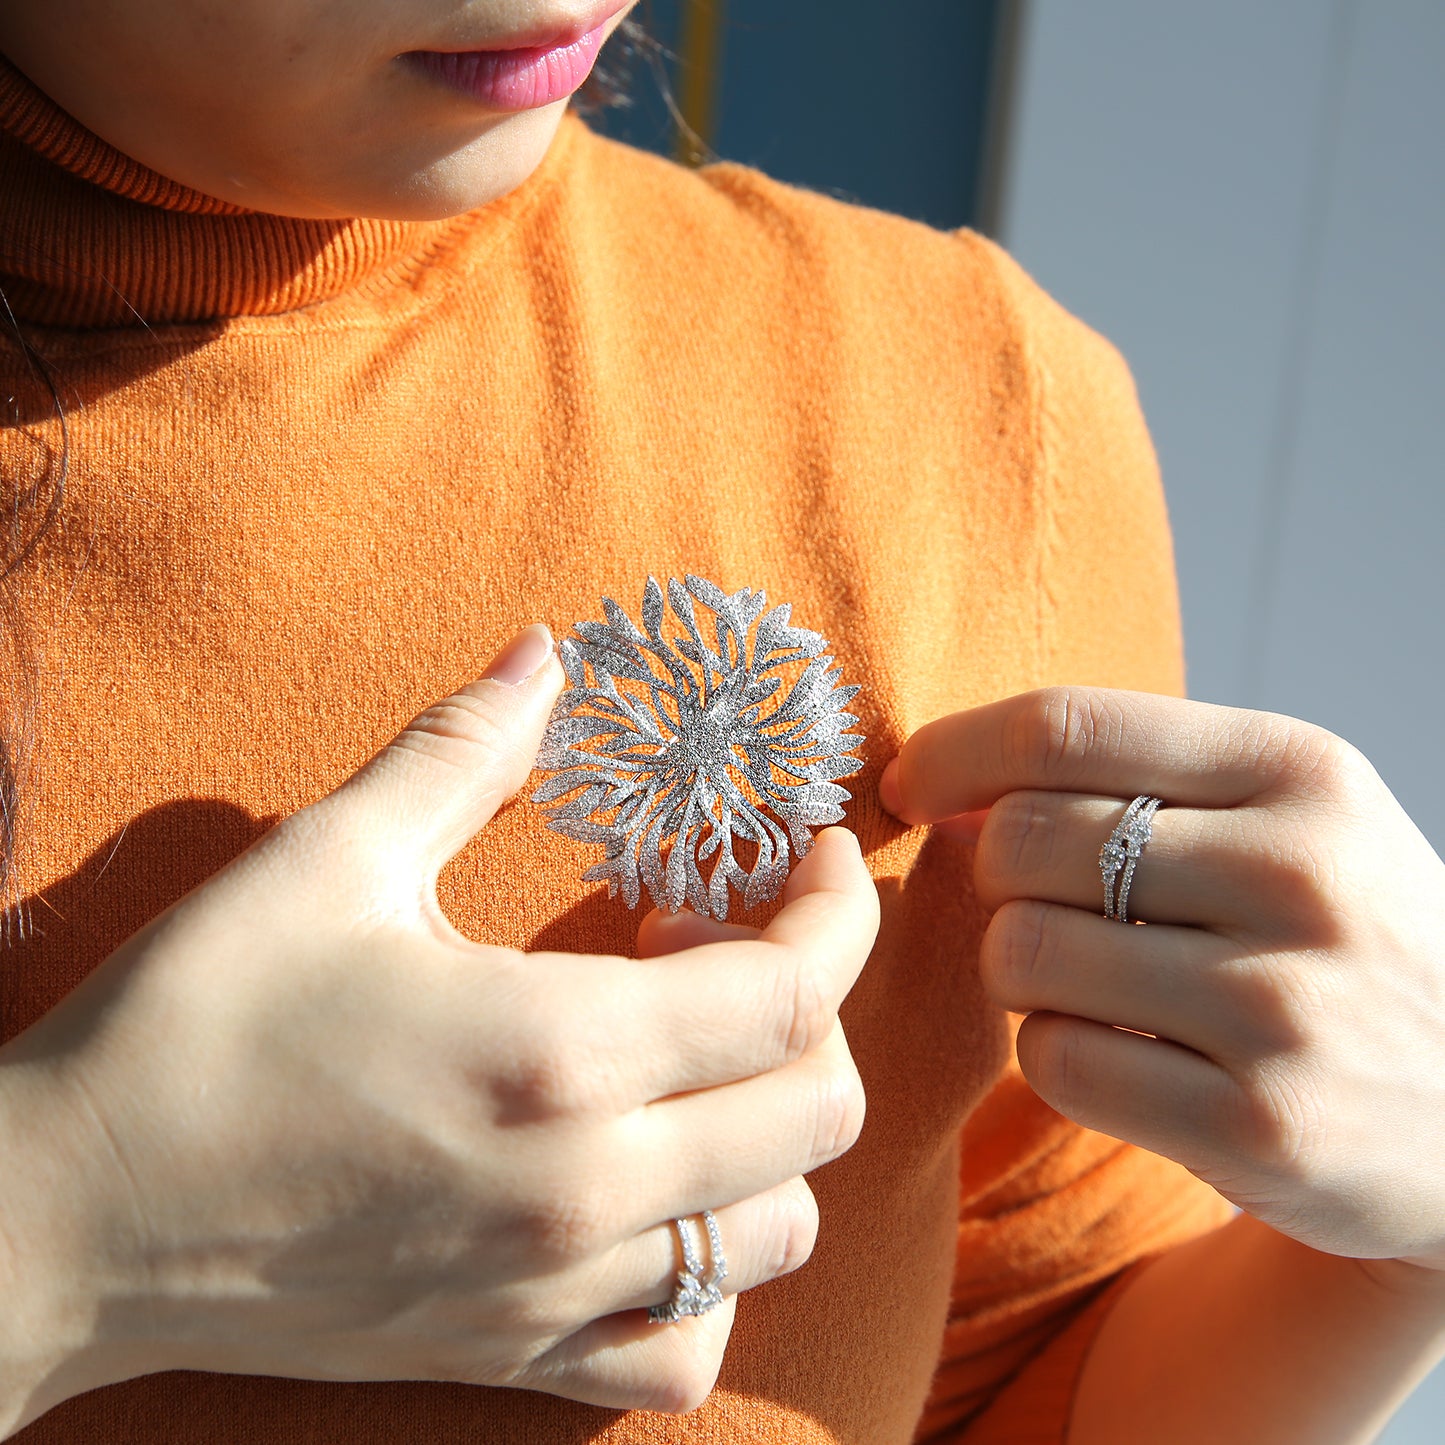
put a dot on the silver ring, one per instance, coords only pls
(1122, 852)
(695, 1293)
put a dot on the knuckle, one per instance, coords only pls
(792, 1230)
(685, 1386)
(454, 730)
(1056, 1061)
(541, 1081)
(554, 1070)
(1067, 1071)
(1019, 838)
(564, 1228)
(1281, 1117)
(1334, 770)
(801, 1012)
(1016, 950)
(1309, 760)
(533, 1089)
(1062, 729)
(457, 717)
(838, 1109)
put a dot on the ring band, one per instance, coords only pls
(694, 1293)
(1122, 852)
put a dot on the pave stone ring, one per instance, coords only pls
(694, 1294)
(1122, 853)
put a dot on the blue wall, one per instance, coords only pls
(883, 105)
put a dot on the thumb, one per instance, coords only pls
(444, 777)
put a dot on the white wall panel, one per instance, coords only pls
(1250, 201)
(1354, 613)
(1160, 185)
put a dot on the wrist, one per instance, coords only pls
(58, 1333)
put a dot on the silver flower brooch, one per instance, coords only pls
(668, 752)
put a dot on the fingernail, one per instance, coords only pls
(522, 656)
(888, 793)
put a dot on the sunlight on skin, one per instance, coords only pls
(296, 107)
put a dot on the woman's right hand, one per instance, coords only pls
(299, 1126)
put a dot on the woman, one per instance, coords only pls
(299, 1137)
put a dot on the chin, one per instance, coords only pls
(475, 173)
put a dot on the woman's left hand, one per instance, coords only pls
(1279, 1026)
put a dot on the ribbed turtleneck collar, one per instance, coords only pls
(90, 237)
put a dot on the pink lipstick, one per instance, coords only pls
(512, 80)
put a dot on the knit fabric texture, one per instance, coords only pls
(320, 471)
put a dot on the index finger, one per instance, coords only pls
(1087, 740)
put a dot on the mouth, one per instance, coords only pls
(522, 72)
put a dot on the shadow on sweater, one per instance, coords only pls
(60, 934)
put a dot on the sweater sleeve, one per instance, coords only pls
(1053, 1218)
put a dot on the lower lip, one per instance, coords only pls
(512, 80)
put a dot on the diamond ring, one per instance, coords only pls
(694, 1293)
(1122, 852)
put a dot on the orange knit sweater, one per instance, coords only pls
(320, 470)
